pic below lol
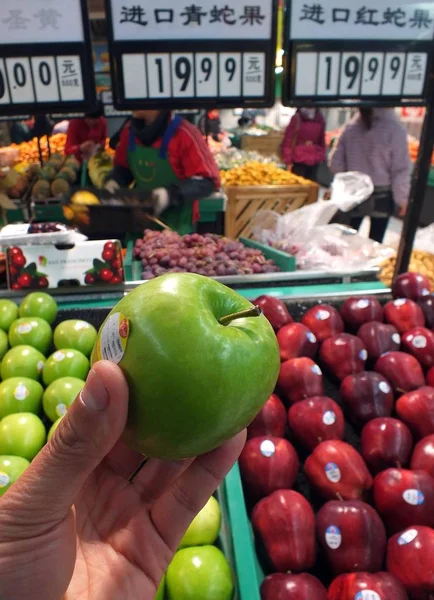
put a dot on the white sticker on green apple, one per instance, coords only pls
(40, 366)
(407, 537)
(267, 448)
(333, 537)
(61, 409)
(4, 480)
(21, 392)
(114, 338)
(413, 497)
(333, 472)
(80, 325)
(367, 595)
(329, 417)
(59, 356)
(24, 328)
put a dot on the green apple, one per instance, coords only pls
(39, 304)
(20, 394)
(22, 434)
(22, 361)
(31, 331)
(53, 428)
(4, 343)
(11, 467)
(161, 589)
(59, 396)
(200, 362)
(8, 314)
(76, 334)
(202, 572)
(65, 363)
(205, 527)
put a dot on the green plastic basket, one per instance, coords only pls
(284, 261)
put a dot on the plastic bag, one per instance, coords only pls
(424, 239)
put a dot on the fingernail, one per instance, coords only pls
(94, 394)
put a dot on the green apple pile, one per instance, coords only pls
(199, 569)
(42, 371)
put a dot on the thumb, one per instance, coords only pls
(88, 431)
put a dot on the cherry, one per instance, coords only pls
(116, 263)
(18, 260)
(120, 273)
(16, 286)
(13, 272)
(43, 282)
(108, 255)
(15, 251)
(89, 279)
(116, 280)
(106, 274)
(110, 246)
(25, 280)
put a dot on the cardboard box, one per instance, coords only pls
(51, 266)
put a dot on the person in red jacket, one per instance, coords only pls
(304, 148)
(168, 158)
(88, 135)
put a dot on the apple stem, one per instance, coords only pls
(339, 497)
(255, 311)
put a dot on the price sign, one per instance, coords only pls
(177, 54)
(358, 52)
(45, 57)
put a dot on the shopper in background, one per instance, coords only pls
(77, 525)
(167, 157)
(303, 148)
(375, 143)
(87, 135)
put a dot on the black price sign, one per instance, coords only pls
(361, 53)
(183, 55)
(45, 57)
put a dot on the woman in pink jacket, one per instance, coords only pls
(304, 148)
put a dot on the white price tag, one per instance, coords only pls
(206, 75)
(134, 70)
(351, 71)
(159, 75)
(20, 80)
(4, 91)
(328, 73)
(70, 78)
(393, 74)
(253, 74)
(415, 70)
(182, 75)
(372, 74)
(45, 78)
(305, 73)
(230, 74)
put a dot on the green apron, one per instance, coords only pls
(151, 170)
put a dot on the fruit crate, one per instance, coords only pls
(268, 145)
(244, 202)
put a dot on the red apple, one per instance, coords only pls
(285, 586)
(402, 370)
(336, 470)
(379, 338)
(300, 378)
(296, 340)
(316, 419)
(356, 311)
(366, 586)
(385, 443)
(420, 342)
(268, 464)
(411, 285)
(404, 314)
(271, 420)
(423, 455)
(352, 536)
(404, 498)
(410, 559)
(323, 320)
(416, 409)
(427, 305)
(430, 377)
(274, 310)
(366, 395)
(343, 354)
(286, 525)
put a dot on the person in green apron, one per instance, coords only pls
(168, 158)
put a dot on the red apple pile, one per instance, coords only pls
(338, 470)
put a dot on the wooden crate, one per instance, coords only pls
(267, 145)
(244, 202)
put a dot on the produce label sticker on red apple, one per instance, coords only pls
(4, 479)
(311, 337)
(396, 338)
(384, 387)
(419, 341)
(333, 472)
(367, 595)
(413, 497)
(316, 370)
(322, 315)
(329, 417)
(268, 448)
(61, 409)
(407, 537)
(362, 303)
(400, 302)
(21, 392)
(363, 354)
(333, 537)
(113, 339)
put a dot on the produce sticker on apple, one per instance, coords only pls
(407, 537)
(333, 472)
(367, 595)
(333, 537)
(113, 339)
